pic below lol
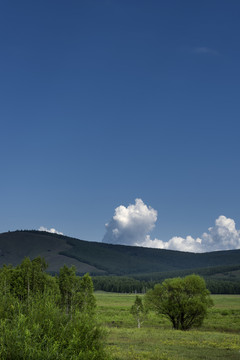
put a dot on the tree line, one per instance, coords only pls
(131, 285)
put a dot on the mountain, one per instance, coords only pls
(104, 259)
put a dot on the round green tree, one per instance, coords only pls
(184, 301)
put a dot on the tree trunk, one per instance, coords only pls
(139, 323)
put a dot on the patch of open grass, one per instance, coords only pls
(226, 302)
(156, 344)
(218, 338)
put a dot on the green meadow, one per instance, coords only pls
(218, 338)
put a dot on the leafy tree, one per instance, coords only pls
(139, 311)
(184, 301)
(25, 274)
(85, 300)
(5, 279)
(28, 278)
(32, 323)
(45, 332)
(39, 266)
(67, 284)
(76, 293)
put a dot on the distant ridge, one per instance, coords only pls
(14, 246)
(104, 259)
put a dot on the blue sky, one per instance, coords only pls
(103, 102)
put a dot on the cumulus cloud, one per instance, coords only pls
(131, 226)
(188, 244)
(223, 235)
(52, 230)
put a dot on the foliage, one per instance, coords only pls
(120, 284)
(67, 286)
(47, 333)
(86, 299)
(32, 323)
(139, 311)
(183, 300)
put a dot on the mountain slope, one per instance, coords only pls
(99, 258)
(14, 246)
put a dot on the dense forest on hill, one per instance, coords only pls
(122, 268)
(125, 260)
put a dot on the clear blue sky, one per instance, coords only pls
(104, 101)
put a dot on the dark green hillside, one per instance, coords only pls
(98, 258)
(228, 273)
(14, 246)
(123, 260)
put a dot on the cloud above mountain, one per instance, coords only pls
(52, 230)
(131, 226)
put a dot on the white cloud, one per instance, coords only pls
(223, 235)
(52, 230)
(175, 243)
(131, 226)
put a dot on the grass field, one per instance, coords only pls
(218, 338)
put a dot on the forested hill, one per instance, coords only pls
(106, 259)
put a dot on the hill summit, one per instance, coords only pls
(103, 259)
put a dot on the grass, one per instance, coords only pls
(231, 302)
(218, 338)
